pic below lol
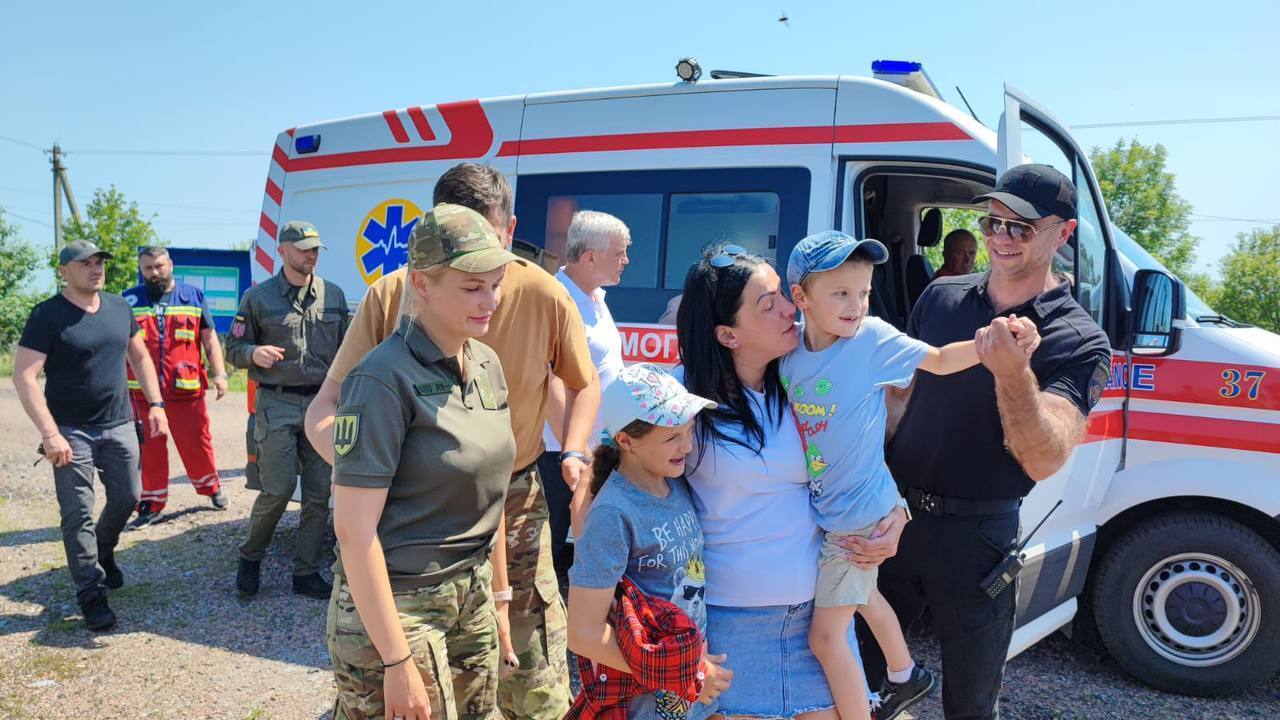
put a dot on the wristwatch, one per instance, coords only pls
(158, 405)
(572, 454)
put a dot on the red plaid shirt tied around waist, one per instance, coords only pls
(661, 645)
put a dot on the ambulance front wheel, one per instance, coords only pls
(1190, 603)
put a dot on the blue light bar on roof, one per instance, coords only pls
(895, 67)
(304, 144)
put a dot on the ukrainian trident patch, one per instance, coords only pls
(346, 433)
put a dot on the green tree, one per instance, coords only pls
(1142, 199)
(116, 225)
(19, 260)
(1250, 287)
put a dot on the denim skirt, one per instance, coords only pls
(775, 674)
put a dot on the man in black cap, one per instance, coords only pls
(970, 446)
(81, 339)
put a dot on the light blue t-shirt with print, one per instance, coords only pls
(655, 542)
(838, 398)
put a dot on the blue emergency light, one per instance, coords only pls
(895, 67)
(304, 144)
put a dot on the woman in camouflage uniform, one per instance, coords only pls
(423, 455)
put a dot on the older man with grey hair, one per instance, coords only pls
(596, 255)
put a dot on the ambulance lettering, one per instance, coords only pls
(1141, 377)
(382, 241)
(650, 344)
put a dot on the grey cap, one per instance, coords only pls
(80, 250)
(302, 234)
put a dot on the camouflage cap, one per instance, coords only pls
(302, 234)
(458, 237)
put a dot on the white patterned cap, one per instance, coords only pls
(645, 392)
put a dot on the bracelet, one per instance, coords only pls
(573, 454)
(503, 595)
(401, 661)
(158, 405)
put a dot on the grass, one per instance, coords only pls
(6, 364)
(256, 714)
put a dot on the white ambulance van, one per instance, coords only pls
(1168, 537)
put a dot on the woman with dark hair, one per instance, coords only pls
(750, 488)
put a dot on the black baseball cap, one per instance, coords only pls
(80, 250)
(1035, 191)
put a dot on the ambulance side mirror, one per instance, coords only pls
(1155, 322)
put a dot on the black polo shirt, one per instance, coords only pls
(950, 441)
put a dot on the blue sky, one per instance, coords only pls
(195, 76)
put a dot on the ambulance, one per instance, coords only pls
(1166, 547)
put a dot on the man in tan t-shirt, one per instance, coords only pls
(536, 327)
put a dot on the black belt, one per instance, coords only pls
(924, 502)
(292, 389)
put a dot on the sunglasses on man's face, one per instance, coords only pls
(992, 226)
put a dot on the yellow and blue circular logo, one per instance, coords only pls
(382, 242)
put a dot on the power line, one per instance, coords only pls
(28, 219)
(24, 190)
(201, 153)
(1225, 217)
(148, 202)
(23, 143)
(1186, 121)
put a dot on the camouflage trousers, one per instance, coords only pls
(539, 690)
(452, 629)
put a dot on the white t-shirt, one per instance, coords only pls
(602, 339)
(762, 542)
(838, 396)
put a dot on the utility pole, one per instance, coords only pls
(61, 188)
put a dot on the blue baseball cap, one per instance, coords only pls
(826, 250)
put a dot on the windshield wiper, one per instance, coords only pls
(1219, 319)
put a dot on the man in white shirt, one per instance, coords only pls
(595, 256)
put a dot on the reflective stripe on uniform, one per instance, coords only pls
(134, 385)
(187, 383)
(181, 334)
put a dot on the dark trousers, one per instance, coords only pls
(113, 454)
(939, 565)
(558, 497)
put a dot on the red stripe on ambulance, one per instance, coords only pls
(741, 137)
(274, 192)
(1194, 381)
(419, 119)
(396, 127)
(471, 136)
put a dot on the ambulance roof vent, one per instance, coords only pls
(731, 74)
(907, 74)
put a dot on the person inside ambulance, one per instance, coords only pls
(959, 250)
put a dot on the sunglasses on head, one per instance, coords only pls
(992, 226)
(726, 256)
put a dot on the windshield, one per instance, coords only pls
(1133, 258)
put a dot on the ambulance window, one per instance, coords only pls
(1091, 251)
(641, 212)
(749, 219)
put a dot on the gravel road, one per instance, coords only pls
(187, 647)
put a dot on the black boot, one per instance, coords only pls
(220, 501)
(313, 586)
(107, 559)
(145, 516)
(248, 577)
(97, 613)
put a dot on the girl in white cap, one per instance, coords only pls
(642, 524)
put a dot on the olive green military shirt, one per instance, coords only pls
(308, 322)
(441, 446)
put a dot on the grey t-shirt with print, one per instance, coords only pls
(655, 542)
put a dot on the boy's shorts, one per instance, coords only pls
(840, 582)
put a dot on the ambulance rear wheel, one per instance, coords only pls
(1190, 603)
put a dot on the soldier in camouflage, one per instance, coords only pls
(423, 452)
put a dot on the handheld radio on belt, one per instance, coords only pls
(1012, 563)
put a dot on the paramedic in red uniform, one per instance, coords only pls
(176, 324)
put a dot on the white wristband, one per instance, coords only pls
(502, 595)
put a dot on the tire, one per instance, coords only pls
(1189, 603)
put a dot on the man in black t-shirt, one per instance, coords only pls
(971, 445)
(81, 338)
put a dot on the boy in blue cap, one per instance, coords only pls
(835, 381)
